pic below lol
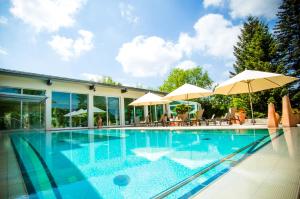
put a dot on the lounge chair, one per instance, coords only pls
(198, 118)
(229, 117)
(212, 119)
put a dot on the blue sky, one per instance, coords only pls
(135, 42)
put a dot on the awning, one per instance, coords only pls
(22, 97)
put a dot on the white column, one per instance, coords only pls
(48, 106)
(90, 111)
(145, 111)
(122, 111)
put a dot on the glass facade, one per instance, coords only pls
(10, 114)
(33, 115)
(60, 110)
(18, 114)
(128, 111)
(159, 111)
(10, 90)
(152, 113)
(79, 111)
(100, 110)
(139, 112)
(33, 92)
(113, 106)
(69, 110)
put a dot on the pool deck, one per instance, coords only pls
(272, 172)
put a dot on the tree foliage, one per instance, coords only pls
(287, 32)
(178, 77)
(109, 80)
(256, 50)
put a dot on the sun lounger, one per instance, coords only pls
(198, 118)
(212, 119)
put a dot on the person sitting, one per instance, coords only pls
(164, 119)
(172, 120)
(99, 122)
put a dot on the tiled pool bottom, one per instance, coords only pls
(127, 163)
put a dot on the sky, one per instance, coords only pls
(136, 42)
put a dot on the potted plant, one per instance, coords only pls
(240, 106)
(181, 110)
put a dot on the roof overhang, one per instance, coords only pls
(22, 97)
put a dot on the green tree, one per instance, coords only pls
(178, 77)
(109, 80)
(256, 50)
(287, 32)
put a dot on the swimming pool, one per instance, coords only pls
(122, 163)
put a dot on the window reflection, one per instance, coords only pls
(99, 110)
(10, 117)
(113, 111)
(60, 109)
(128, 111)
(79, 112)
(33, 115)
(139, 113)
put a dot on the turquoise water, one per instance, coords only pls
(124, 163)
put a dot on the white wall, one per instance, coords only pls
(69, 87)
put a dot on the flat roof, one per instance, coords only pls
(65, 79)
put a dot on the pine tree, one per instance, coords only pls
(287, 31)
(256, 50)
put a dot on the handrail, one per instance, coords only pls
(203, 171)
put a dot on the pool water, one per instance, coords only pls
(120, 163)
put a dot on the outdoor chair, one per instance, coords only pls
(198, 118)
(212, 119)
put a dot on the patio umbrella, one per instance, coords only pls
(250, 81)
(148, 100)
(186, 92)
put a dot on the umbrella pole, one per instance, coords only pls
(252, 120)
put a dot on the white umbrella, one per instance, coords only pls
(149, 99)
(81, 111)
(188, 91)
(250, 81)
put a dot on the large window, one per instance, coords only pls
(129, 111)
(79, 113)
(152, 113)
(113, 111)
(17, 113)
(69, 110)
(139, 112)
(159, 111)
(100, 110)
(10, 90)
(33, 92)
(10, 114)
(33, 115)
(60, 109)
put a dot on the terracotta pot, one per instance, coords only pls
(242, 116)
(277, 117)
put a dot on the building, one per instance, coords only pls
(29, 100)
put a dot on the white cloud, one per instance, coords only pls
(93, 77)
(3, 20)
(3, 51)
(208, 3)
(214, 36)
(187, 64)
(242, 8)
(68, 47)
(127, 12)
(148, 56)
(46, 15)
